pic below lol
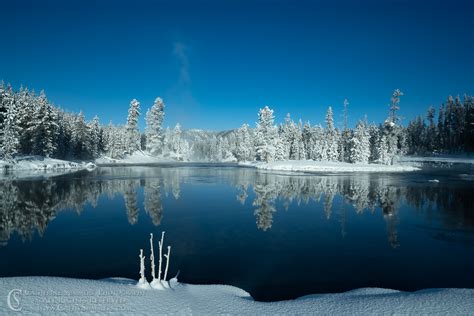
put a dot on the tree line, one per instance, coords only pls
(31, 125)
(451, 131)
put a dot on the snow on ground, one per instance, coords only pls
(138, 157)
(43, 164)
(327, 166)
(144, 158)
(447, 159)
(52, 295)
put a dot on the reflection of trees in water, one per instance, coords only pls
(242, 195)
(362, 192)
(456, 201)
(130, 197)
(265, 195)
(171, 181)
(152, 203)
(27, 207)
(342, 219)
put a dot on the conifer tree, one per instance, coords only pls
(43, 127)
(133, 139)
(360, 144)
(95, 137)
(431, 132)
(331, 146)
(154, 127)
(244, 151)
(265, 135)
(11, 137)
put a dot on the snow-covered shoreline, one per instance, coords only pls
(141, 158)
(37, 163)
(137, 158)
(444, 159)
(54, 295)
(326, 166)
(405, 164)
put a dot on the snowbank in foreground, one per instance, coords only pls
(326, 166)
(44, 164)
(137, 157)
(50, 295)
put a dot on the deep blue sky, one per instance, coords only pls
(216, 63)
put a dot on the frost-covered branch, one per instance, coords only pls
(152, 258)
(160, 244)
(142, 283)
(167, 256)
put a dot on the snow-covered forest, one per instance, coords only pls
(31, 125)
(450, 130)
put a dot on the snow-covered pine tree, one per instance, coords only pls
(301, 147)
(265, 135)
(383, 155)
(417, 136)
(392, 131)
(394, 106)
(107, 139)
(11, 138)
(133, 139)
(81, 138)
(225, 152)
(95, 137)
(431, 130)
(469, 122)
(448, 124)
(458, 118)
(374, 134)
(402, 141)
(3, 109)
(296, 140)
(6, 98)
(121, 141)
(177, 142)
(441, 136)
(116, 141)
(244, 150)
(43, 127)
(307, 139)
(317, 149)
(331, 144)
(286, 137)
(360, 144)
(154, 127)
(280, 150)
(346, 135)
(24, 103)
(338, 141)
(167, 142)
(64, 148)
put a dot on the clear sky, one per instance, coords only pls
(215, 63)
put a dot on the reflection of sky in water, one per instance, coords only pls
(276, 236)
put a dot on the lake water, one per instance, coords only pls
(276, 236)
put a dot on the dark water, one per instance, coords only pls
(276, 236)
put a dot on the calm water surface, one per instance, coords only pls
(276, 236)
